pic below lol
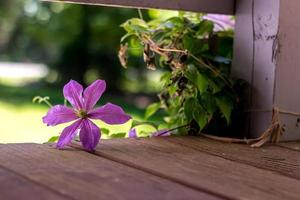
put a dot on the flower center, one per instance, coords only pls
(81, 113)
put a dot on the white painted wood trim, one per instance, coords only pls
(266, 54)
(207, 6)
(287, 57)
(255, 35)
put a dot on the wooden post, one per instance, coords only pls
(266, 55)
(287, 90)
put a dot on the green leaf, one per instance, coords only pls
(200, 81)
(193, 110)
(200, 116)
(225, 106)
(174, 23)
(189, 106)
(165, 78)
(194, 45)
(136, 123)
(191, 73)
(188, 43)
(216, 88)
(152, 109)
(135, 25)
(118, 135)
(104, 131)
(53, 139)
(172, 89)
(205, 27)
(209, 102)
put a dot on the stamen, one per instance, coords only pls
(81, 113)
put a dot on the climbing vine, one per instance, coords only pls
(195, 56)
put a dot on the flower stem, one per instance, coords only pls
(48, 103)
(140, 14)
(173, 129)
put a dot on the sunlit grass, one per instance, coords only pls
(23, 123)
(21, 120)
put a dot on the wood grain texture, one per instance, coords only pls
(287, 93)
(295, 146)
(15, 187)
(270, 157)
(200, 170)
(265, 16)
(254, 59)
(208, 6)
(81, 175)
(266, 55)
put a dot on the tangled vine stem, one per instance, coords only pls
(272, 134)
(173, 129)
(161, 51)
(39, 99)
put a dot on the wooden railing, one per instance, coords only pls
(266, 52)
(208, 6)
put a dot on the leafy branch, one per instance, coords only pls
(195, 63)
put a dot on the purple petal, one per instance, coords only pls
(163, 132)
(89, 135)
(73, 93)
(132, 133)
(110, 114)
(59, 114)
(93, 93)
(222, 22)
(68, 134)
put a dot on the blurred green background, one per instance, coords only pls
(44, 45)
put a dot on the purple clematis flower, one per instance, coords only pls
(222, 22)
(132, 133)
(83, 102)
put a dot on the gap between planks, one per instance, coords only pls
(152, 172)
(90, 176)
(294, 146)
(14, 185)
(280, 158)
(197, 173)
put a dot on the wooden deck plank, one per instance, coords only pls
(208, 6)
(81, 175)
(15, 187)
(290, 145)
(270, 157)
(198, 169)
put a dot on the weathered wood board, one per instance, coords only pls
(155, 168)
(79, 175)
(210, 6)
(256, 34)
(270, 157)
(200, 170)
(266, 55)
(15, 187)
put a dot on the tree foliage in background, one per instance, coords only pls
(198, 90)
(73, 40)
